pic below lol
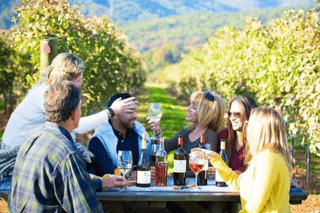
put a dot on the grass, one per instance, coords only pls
(173, 119)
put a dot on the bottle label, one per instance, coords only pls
(180, 166)
(223, 145)
(218, 177)
(205, 168)
(144, 144)
(143, 177)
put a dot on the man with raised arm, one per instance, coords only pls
(122, 132)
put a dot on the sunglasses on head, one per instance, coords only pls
(209, 96)
(235, 114)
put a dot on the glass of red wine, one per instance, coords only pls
(196, 164)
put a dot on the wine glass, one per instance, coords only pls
(154, 114)
(124, 161)
(196, 164)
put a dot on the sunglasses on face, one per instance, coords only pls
(235, 114)
(208, 96)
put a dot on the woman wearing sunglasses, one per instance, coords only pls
(205, 114)
(265, 185)
(238, 114)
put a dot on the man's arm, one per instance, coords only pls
(73, 187)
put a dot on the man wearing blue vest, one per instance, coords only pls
(122, 132)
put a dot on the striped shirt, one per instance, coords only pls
(50, 175)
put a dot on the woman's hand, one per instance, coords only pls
(126, 105)
(204, 153)
(154, 126)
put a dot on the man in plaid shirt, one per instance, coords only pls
(50, 173)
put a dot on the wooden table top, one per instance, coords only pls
(168, 193)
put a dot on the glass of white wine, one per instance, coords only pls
(124, 161)
(154, 114)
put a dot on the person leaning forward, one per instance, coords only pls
(50, 173)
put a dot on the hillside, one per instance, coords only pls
(192, 29)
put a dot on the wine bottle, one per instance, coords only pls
(180, 164)
(219, 180)
(202, 177)
(161, 165)
(144, 167)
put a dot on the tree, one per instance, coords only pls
(278, 64)
(111, 64)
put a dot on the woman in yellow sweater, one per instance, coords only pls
(265, 185)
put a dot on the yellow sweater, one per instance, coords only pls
(264, 186)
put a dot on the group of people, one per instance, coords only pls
(259, 160)
(54, 173)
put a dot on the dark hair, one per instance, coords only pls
(116, 96)
(61, 99)
(248, 103)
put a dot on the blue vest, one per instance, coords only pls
(106, 135)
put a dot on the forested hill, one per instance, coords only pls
(194, 29)
(124, 10)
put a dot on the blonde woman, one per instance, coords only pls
(29, 114)
(265, 185)
(205, 113)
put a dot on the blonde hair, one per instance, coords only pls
(267, 130)
(209, 113)
(64, 67)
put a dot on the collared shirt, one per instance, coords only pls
(102, 162)
(128, 143)
(50, 175)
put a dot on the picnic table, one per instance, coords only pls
(186, 198)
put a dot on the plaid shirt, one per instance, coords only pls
(50, 175)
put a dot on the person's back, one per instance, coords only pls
(265, 185)
(22, 120)
(42, 173)
(50, 173)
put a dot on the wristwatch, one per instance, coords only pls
(110, 111)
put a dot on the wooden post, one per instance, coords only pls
(48, 50)
(308, 162)
(292, 150)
